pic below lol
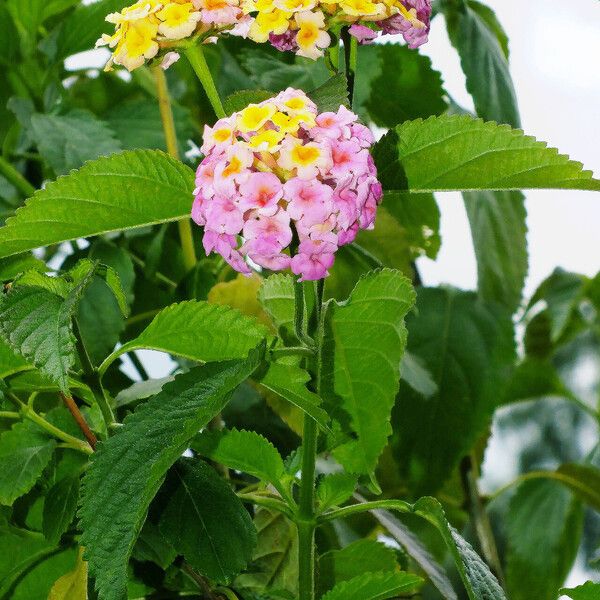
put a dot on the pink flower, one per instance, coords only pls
(364, 34)
(261, 191)
(416, 30)
(308, 200)
(332, 125)
(224, 215)
(276, 227)
(313, 260)
(348, 157)
(225, 245)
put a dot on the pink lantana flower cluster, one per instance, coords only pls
(285, 186)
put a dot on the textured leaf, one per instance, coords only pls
(374, 586)
(245, 451)
(276, 294)
(364, 342)
(358, 558)
(274, 565)
(198, 331)
(499, 233)
(334, 489)
(10, 267)
(544, 526)
(289, 382)
(60, 505)
(412, 88)
(475, 574)
(588, 591)
(25, 451)
(68, 141)
(468, 348)
(332, 94)
(462, 153)
(483, 61)
(11, 363)
(127, 469)
(122, 191)
(37, 324)
(73, 585)
(206, 522)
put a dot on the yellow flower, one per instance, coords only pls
(291, 124)
(178, 21)
(276, 21)
(311, 37)
(254, 116)
(138, 43)
(260, 6)
(360, 8)
(295, 5)
(266, 141)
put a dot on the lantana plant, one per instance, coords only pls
(320, 425)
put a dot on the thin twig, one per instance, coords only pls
(81, 422)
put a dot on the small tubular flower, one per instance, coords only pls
(283, 187)
(303, 26)
(152, 27)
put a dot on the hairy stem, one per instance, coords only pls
(81, 422)
(168, 123)
(195, 55)
(354, 509)
(15, 178)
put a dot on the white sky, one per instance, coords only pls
(555, 51)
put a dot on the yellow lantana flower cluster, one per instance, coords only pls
(146, 27)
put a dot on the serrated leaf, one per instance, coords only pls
(289, 382)
(413, 89)
(128, 469)
(274, 566)
(13, 265)
(276, 294)
(199, 331)
(363, 346)
(73, 585)
(332, 94)
(68, 141)
(475, 574)
(334, 489)
(206, 522)
(468, 347)
(25, 451)
(588, 591)
(463, 153)
(245, 451)
(540, 556)
(239, 100)
(357, 558)
(60, 505)
(10, 363)
(374, 586)
(122, 191)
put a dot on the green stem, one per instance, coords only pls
(354, 509)
(7, 414)
(332, 55)
(293, 351)
(267, 502)
(15, 178)
(166, 116)
(350, 58)
(299, 315)
(139, 367)
(195, 56)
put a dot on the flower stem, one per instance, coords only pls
(81, 422)
(166, 115)
(350, 58)
(15, 178)
(195, 55)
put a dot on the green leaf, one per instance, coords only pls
(483, 61)
(588, 591)
(417, 376)
(73, 585)
(363, 346)
(239, 100)
(462, 153)
(358, 558)
(274, 566)
(25, 451)
(245, 451)
(127, 470)
(468, 347)
(475, 574)
(199, 331)
(289, 382)
(10, 363)
(334, 489)
(499, 233)
(122, 191)
(13, 265)
(68, 141)
(544, 526)
(583, 480)
(137, 124)
(60, 505)
(37, 324)
(206, 522)
(332, 94)
(412, 88)
(276, 294)
(374, 586)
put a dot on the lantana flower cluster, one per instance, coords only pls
(142, 29)
(302, 26)
(285, 186)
